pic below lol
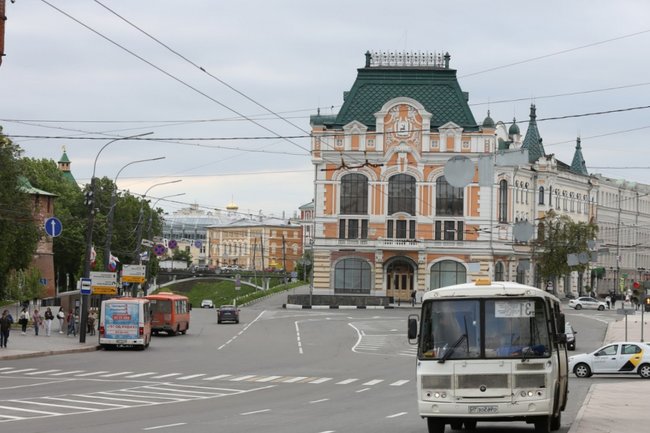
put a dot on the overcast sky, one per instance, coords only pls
(60, 79)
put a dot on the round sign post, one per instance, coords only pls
(53, 227)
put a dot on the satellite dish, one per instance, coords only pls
(459, 171)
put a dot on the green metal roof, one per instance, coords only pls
(578, 165)
(25, 186)
(533, 141)
(437, 89)
(64, 157)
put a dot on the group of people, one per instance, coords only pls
(68, 323)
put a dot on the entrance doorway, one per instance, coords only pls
(400, 280)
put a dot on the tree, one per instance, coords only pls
(304, 265)
(18, 233)
(183, 255)
(558, 237)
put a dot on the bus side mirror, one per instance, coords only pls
(561, 323)
(412, 327)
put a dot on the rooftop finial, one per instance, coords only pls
(447, 58)
(368, 57)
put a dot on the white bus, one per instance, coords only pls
(490, 352)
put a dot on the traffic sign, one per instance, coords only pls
(133, 273)
(172, 244)
(104, 283)
(159, 249)
(53, 227)
(86, 284)
(146, 243)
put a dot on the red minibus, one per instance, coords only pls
(170, 313)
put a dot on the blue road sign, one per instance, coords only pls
(53, 227)
(86, 286)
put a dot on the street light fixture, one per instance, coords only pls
(90, 202)
(111, 210)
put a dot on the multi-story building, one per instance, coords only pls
(387, 218)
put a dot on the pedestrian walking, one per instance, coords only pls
(23, 320)
(5, 326)
(71, 328)
(49, 318)
(37, 321)
(608, 301)
(613, 301)
(61, 316)
(92, 319)
(413, 298)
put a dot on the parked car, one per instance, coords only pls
(207, 303)
(570, 336)
(587, 302)
(228, 313)
(623, 357)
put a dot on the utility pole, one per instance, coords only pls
(90, 204)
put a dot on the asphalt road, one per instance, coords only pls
(277, 371)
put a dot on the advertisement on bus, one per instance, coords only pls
(121, 320)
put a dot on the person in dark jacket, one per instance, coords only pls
(5, 326)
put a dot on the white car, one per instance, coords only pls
(207, 303)
(587, 302)
(621, 357)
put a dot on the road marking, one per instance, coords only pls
(373, 382)
(242, 331)
(256, 411)
(133, 376)
(242, 378)
(164, 426)
(85, 402)
(191, 376)
(298, 337)
(295, 379)
(329, 431)
(12, 418)
(90, 374)
(321, 380)
(267, 379)
(122, 373)
(38, 403)
(20, 409)
(221, 376)
(399, 383)
(166, 375)
(6, 368)
(68, 372)
(40, 372)
(346, 381)
(395, 415)
(319, 401)
(363, 390)
(18, 371)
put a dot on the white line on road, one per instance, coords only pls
(298, 337)
(162, 376)
(295, 379)
(399, 383)
(395, 415)
(122, 373)
(363, 389)
(346, 381)
(373, 382)
(164, 426)
(133, 376)
(221, 376)
(68, 372)
(255, 411)
(240, 332)
(321, 380)
(18, 371)
(40, 372)
(242, 378)
(329, 431)
(191, 376)
(94, 373)
(268, 379)
(319, 401)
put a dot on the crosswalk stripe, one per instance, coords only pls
(18, 371)
(122, 373)
(321, 380)
(162, 376)
(116, 398)
(6, 368)
(399, 383)
(40, 372)
(13, 418)
(268, 379)
(93, 373)
(191, 376)
(133, 376)
(20, 409)
(221, 376)
(40, 403)
(346, 381)
(295, 379)
(242, 378)
(373, 382)
(67, 372)
(85, 401)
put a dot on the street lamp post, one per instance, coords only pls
(90, 203)
(111, 210)
(138, 236)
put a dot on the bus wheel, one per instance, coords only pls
(543, 424)
(556, 422)
(582, 370)
(470, 425)
(644, 371)
(436, 425)
(456, 425)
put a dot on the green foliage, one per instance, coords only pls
(24, 285)
(18, 233)
(304, 265)
(183, 255)
(562, 236)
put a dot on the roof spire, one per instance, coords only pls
(578, 165)
(533, 141)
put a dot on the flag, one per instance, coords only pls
(93, 256)
(112, 262)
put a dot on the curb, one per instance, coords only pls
(575, 425)
(49, 352)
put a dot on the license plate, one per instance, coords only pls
(483, 409)
(121, 341)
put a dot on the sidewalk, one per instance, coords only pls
(30, 345)
(617, 407)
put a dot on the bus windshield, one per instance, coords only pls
(484, 328)
(161, 306)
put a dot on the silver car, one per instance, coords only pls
(587, 302)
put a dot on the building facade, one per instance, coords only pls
(393, 215)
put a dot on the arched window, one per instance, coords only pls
(352, 275)
(401, 194)
(498, 272)
(541, 195)
(449, 199)
(503, 201)
(446, 273)
(354, 194)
